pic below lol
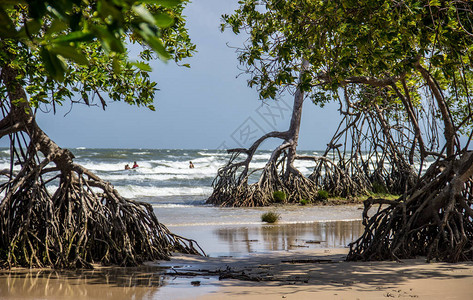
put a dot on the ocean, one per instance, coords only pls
(178, 194)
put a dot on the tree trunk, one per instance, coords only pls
(231, 187)
(449, 129)
(294, 128)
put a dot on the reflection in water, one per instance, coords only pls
(101, 283)
(240, 240)
(149, 282)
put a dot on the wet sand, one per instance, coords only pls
(322, 274)
(286, 261)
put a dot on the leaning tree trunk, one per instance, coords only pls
(83, 220)
(231, 186)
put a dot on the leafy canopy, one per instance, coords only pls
(67, 48)
(346, 38)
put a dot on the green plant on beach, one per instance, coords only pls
(279, 196)
(384, 196)
(304, 202)
(379, 188)
(270, 217)
(322, 195)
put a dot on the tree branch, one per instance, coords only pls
(449, 132)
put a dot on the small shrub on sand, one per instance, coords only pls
(279, 196)
(270, 217)
(379, 188)
(304, 202)
(322, 195)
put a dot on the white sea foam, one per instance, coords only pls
(133, 191)
(151, 171)
(165, 172)
(101, 166)
(213, 154)
(169, 205)
(6, 165)
(157, 177)
(51, 188)
(262, 156)
(141, 153)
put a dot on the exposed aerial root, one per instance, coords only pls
(84, 221)
(56, 213)
(435, 219)
(334, 179)
(232, 189)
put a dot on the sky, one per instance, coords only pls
(204, 107)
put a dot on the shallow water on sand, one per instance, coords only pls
(178, 196)
(102, 283)
(151, 282)
(237, 240)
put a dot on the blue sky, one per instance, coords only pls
(204, 107)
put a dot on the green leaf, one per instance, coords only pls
(57, 25)
(164, 20)
(53, 64)
(44, 53)
(141, 11)
(164, 3)
(153, 41)
(109, 41)
(434, 3)
(31, 28)
(81, 32)
(105, 9)
(37, 9)
(142, 66)
(76, 36)
(7, 29)
(71, 53)
(158, 46)
(116, 65)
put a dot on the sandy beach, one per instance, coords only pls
(214, 150)
(296, 274)
(322, 274)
